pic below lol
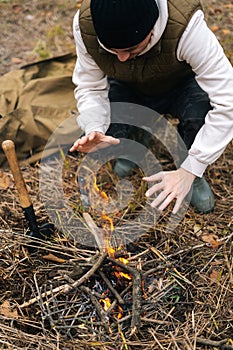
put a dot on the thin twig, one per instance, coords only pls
(157, 268)
(222, 344)
(111, 288)
(161, 322)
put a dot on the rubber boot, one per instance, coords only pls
(202, 197)
(124, 167)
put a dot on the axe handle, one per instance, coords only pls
(8, 147)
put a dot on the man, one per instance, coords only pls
(160, 54)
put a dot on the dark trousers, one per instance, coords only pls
(188, 102)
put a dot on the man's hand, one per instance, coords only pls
(93, 141)
(170, 185)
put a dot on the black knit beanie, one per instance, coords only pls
(120, 24)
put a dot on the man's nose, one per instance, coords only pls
(123, 56)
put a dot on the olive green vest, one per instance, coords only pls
(158, 70)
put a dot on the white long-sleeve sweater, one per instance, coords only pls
(200, 48)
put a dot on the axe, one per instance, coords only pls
(47, 229)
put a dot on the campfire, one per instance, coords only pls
(109, 293)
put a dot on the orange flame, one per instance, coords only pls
(106, 303)
(101, 193)
(120, 313)
(120, 274)
(106, 217)
(123, 261)
(110, 250)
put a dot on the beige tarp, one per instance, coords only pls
(34, 101)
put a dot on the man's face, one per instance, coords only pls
(131, 52)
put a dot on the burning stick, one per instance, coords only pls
(137, 293)
(108, 283)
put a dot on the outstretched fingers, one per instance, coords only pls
(170, 185)
(93, 141)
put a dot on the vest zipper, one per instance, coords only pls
(132, 64)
